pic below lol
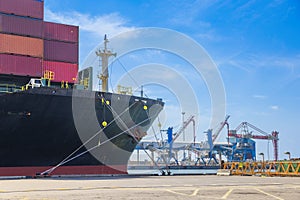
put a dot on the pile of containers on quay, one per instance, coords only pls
(31, 47)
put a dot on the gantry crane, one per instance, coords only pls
(245, 133)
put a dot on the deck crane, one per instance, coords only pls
(244, 127)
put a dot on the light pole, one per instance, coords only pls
(288, 153)
(183, 133)
(263, 161)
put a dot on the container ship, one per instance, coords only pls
(51, 123)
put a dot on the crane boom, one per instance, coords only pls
(245, 125)
(186, 123)
(216, 134)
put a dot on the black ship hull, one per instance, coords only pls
(64, 131)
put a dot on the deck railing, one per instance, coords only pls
(10, 88)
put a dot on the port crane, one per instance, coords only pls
(240, 145)
(183, 127)
(222, 125)
(166, 149)
(206, 149)
(247, 134)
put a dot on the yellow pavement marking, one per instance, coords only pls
(184, 190)
(195, 192)
(227, 194)
(87, 188)
(63, 189)
(183, 194)
(269, 194)
(171, 191)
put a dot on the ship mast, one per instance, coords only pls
(104, 55)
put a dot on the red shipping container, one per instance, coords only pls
(60, 32)
(62, 71)
(60, 51)
(21, 45)
(28, 8)
(21, 25)
(20, 65)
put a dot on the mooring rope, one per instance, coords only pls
(118, 117)
(132, 135)
(82, 145)
(88, 150)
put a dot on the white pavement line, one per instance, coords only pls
(227, 194)
(269, 194)
(195, 192)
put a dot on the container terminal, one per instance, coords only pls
(39, 70)
(38, 77)
(235, 156)
(209, 154)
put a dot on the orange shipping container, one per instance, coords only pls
(21, 45)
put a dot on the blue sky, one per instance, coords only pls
(255, 45)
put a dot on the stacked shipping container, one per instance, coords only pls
(20, 65)
(29, 46)
(21, 25)
(14, 44)
(21, 37)
(27, 8)
(60, 32)
(61, 51)
(62, 71)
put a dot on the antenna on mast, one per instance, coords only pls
(104, 54)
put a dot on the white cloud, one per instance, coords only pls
(187, 14)
(250, 62)
(237, 64)
(261, 113)
(274, 107)
(210, 35)
(276, 3)
(258, 96)
(110, 24)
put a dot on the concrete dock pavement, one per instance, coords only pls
(152, 187)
